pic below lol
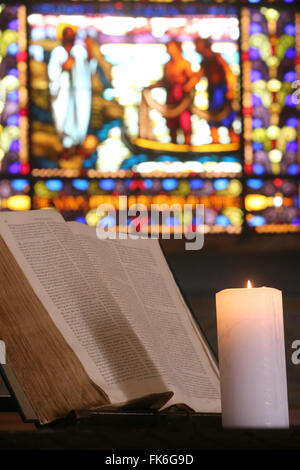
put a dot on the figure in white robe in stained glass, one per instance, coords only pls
(70, 71)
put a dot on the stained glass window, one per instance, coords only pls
(152, 96)
(272, 205)
(205, 2)
(186, 102)
(14, 194)
(270, 53)
(78, 199)
(13, 91)
(271, 119)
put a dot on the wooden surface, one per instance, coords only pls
(10, 421)
(141, 432)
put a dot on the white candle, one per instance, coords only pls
(252, 358)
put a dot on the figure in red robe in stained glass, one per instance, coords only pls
(179, 80)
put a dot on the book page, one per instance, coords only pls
(139, 280)
(80, 305)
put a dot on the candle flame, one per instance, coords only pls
(249, 285)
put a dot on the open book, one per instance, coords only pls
(90, 322)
